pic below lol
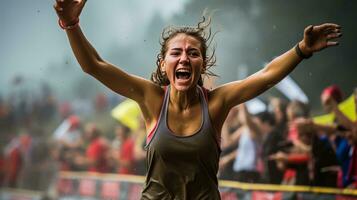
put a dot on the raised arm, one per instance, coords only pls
(342, 119)
(247, 120)
(125, 84)
(144, 92)
(315, 39)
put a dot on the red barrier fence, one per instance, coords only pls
(94, 186)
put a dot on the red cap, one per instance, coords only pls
(333, 91)
(74, 120)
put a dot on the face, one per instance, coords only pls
(183, 62)
(326, 102)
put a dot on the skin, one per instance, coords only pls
(184, 103)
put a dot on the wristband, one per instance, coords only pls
(69, 27)
(300, 53)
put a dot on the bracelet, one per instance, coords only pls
(69, 27)
(300, 53)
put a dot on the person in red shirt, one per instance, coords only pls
(14, 158)
(126, 151)
(96, 155)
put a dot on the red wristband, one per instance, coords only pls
(69, 27)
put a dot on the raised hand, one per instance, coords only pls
(68, 11)
(319, 37)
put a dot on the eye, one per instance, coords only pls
(175, 53)
(194, 53)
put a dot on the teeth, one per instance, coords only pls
(183, 70)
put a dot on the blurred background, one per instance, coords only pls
(35, 51)
(42, 86)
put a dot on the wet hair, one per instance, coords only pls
(203, 33)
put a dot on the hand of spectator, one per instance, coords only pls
(280, 156)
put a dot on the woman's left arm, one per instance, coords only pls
(315, 39)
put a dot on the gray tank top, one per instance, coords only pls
(182, 168)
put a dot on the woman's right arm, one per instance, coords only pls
(144, 92)
(114, 78)
(130, 86)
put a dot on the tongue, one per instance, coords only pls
(182, 76)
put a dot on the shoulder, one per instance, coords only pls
(151, 106)
(218, 110)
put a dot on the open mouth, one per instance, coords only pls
(183, 74)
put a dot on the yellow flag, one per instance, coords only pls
(324, 119)
(347, 107)
(127, 113)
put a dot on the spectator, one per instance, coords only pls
(270, 146)
(330, 98)
(68, 133)
(126, 150)
(247, 155)
(15, 156)
(96, 157)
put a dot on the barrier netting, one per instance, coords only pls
(93, 186)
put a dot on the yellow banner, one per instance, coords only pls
(127, 113)
(347, 107)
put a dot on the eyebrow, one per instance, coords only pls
(189, 49)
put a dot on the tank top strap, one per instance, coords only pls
(165, 106)
(204, 104)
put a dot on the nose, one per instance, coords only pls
(184, 60)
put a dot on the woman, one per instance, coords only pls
(183, 157)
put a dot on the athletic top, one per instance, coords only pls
(182, 167)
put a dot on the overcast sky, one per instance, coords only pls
(31, 40)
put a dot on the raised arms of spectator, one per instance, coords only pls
(247, 120)
(229, 140)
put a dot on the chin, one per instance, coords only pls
(183, 88)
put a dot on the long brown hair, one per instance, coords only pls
(203, 33)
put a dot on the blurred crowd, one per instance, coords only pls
(282, 145)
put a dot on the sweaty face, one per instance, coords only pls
(183, 62)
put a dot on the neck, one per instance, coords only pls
(183, 100)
